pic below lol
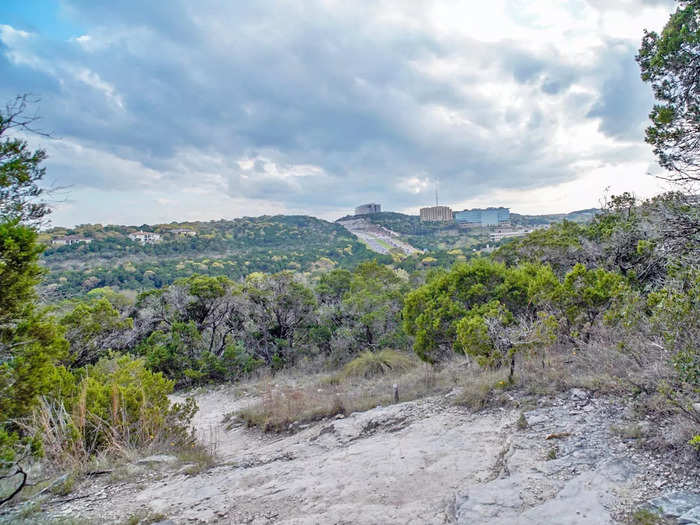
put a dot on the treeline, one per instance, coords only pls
(202, 329)
(212, 236)
(155, 273)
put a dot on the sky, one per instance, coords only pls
(175, 110)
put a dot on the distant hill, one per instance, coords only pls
(233, 248)
(236, 248)
(433, 236)
(580, 216)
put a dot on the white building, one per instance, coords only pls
(144, 237)
(69, 239)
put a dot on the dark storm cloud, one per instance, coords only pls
(623, 97)
(190, 90)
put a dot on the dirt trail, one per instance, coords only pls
(417, 462)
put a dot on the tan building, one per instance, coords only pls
(436, 214)
(184, 231)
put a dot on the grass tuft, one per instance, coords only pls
(370, 364)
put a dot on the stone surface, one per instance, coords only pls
(691, 517)
(419, 462)
(678, 504)
(157, 458)
(578, 487)
(578, 394)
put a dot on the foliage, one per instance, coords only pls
(372, 306)
(561, 246)
(669, 62)
(281, 310)
(640, 240)
(20, 167)
(118, 398)
(174, 353)
(116, 405)
(30, 342)
(91, 328)
(433, 311)
(584, 295)
(675, 322)
(695, 442)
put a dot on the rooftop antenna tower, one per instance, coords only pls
(436, 191)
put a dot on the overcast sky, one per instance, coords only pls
(180, 110)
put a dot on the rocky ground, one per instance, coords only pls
(425, 461)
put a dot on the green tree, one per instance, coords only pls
(675, 322)
(281, 313)
(432, 312)
(485, 310)
(20, 167)
(30, 342)
(372, 306)
(670, 62)
(92, 329)
(492, 335)
(585, 295)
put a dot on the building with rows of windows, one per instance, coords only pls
(482, 217)
(436, 214)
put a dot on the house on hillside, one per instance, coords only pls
(184, 231)
(67, 240)
(144, 237)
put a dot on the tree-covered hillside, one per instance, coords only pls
(579, 216)
(232, 248)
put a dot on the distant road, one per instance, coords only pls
(377, 238)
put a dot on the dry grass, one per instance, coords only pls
(69, 459)
(323, 396)
(483, 388)
(290, 399)
(371, 364)
(197, 458)
(294, 397)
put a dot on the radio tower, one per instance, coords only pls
(436, 192)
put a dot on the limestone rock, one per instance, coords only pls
(692, 517)
(578, 394)
(680, 504)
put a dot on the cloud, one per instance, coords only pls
(624, 101)
(322, 105)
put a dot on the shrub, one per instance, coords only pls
(118, 405)
(369, 364)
